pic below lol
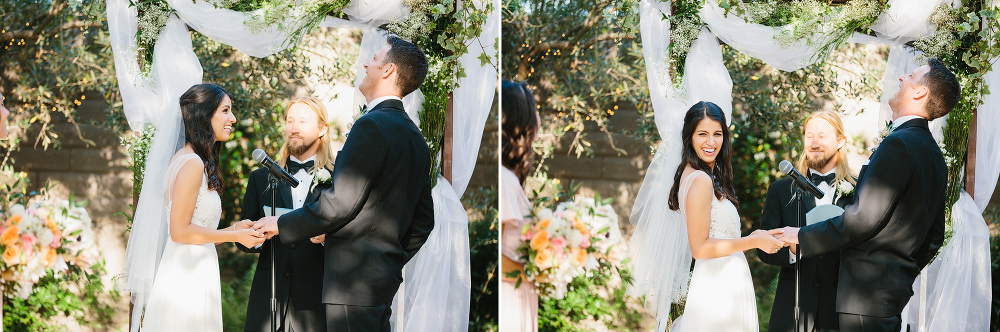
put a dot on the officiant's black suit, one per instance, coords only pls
(890, 232)
(376, 216)
(818, 281)
(298, 266)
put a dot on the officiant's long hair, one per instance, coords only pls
(198, 106)
(844, 172)
(722, 175)
(519, 124)
(324, 156)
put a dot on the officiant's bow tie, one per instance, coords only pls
(816, 178)
(294, 167)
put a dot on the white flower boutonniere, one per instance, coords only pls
(881, 136)
(321, 176)
(844, 188)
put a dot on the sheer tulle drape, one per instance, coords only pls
(153, 99)
(659, 244)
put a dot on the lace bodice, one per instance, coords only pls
(725, 220)
(208, 207)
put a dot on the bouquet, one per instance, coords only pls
(578, 238)
(47, 235)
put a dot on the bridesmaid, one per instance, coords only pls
(4, 113)
(520, 124)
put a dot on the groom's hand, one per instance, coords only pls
(267, 225)
(789, 235)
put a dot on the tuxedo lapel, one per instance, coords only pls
(286, 193)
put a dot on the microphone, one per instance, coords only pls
(275, 170)
(786, 167)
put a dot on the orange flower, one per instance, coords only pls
(12, 255)
(9, 236)
(580, 255)
(540, 240)
(14, 220)
(56, 236)
(543, 224)
(50, 256)
(543, 259)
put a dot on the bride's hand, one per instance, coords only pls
(766, 240)
(249, 238)
(242, 224)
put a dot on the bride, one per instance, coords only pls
(720, 296)
(178, 224)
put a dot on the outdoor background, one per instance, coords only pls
(57, 75)
(583, 60)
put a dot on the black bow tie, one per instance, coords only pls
(816, 178)
(294, 167)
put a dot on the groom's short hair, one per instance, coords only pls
(411, 64)
(944, 90)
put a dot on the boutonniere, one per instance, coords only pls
(321, 176)
(844, 188)
(881, 136)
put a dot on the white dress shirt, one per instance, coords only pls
(901, 120)
(828, 195)
(300, 192)
(381, 99)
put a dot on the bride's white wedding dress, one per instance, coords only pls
(186, 294)
(720, 297)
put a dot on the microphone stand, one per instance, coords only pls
(798, 259)
(273, 185)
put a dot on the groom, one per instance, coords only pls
(379, 211)
(896, 223)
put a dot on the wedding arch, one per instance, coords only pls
(155, 64)
(952, 292)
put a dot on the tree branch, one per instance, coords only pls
(33, 34)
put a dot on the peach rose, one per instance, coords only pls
(50, 256)
(543, 259)
(14, 220)
(56, 237)
(9, 236)
(542, 224)
(540, 240)
(580, 256)
(12, 255)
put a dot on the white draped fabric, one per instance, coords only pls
(437, 280)
(435, 292)
(658, 248)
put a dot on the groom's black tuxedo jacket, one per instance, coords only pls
(818, 281)
(378, 212)
(892, 229)
(298, 263)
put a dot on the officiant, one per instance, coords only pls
(824, 161)
(308, 156)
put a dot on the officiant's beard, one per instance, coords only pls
(818, 162)
(299, 149)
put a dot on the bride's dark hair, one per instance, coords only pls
(198, 106)
(722, 175)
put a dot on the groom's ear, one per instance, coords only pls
(920, 92)
(388, 69)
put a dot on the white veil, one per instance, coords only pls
(176, 69)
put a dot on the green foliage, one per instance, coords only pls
(580, 58)
(235, 295)
(53, 53)
(599, 297)
(437, 89)
(483, 243)
(76, 294)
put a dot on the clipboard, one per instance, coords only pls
(277, 211)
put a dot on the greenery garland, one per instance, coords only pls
(965, 39)
(442, 30)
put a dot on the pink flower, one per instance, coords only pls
(585, 243)
(558, 243)
(528, 235)
(28, 240)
